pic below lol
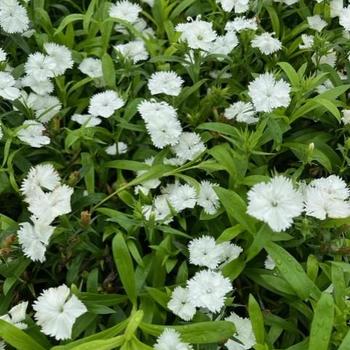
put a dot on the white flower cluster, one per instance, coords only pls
(277, 202)
(177, 197)
(207, 288)
(56, 311)
(170, 339)
(47, 199)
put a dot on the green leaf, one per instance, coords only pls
(256, 317)
(17, 338)
(290, 72)
(67, 20)
(124, 265)
(322, 323)
(108, 71)
(107, 344)
(345, 344)
(292, 272)
(236, 208)
(196, 333)
(88, 171)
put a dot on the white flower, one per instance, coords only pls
(17, 315)
(2, 55)
(241, 111)
(189, 146)
(229, 252)
(344, 18)
(104, 104)
(8, 90)
(168, 83)
(346, 116)
(327, 197)
(159, 209)
(316, 23)
(56, 311)
(61, 56)
(42, 176)
(161, 122)
(125, 10)
(268, 94)
(148, 185)
(183, 197)
(241, 23)
(224, 44)
(171, 340)
(276, 203)
(40, 87)
(308, 41)
(34, 239)
(207, 198)
(238, 6)
(86, 119)
(287, 2)
(269, 263)
(180, 304)
(207, 289)
(266, 43)
(13, 17)
(198, 34)
(336, 7)
(92, 67)
(44, 106)
(48, 205)
(31, 132)
(119, 148)
(40, 66)
(244, 333)
(133, 50)
(205, 252)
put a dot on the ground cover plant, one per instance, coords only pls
(174, 174)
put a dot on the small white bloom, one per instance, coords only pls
(171, 340)
(238, 6)
(125, 10)
(31, 133)
(268, 93)
(119, 148)
(316, 23)
(198, 34)
(336, 7)
(168, 83)
(346, 116)
(224, 44)
(276, 203)
(184, 197)
(241, 23)
(229, 252)
(42, 176)
(17, 315)
(244, 333)
(40, 87)
(189, 146)
(180, 304)
(61, 56)
(8, 90)
(40, 66)
(205, 252)
(44, 106)
(344, 18)
(104, 104)
(148, 185)
(34, 239)
(308, 41)
(269, 263)
(2, 55)
(327, 197)
(133, 50)
(13, 17)
(56, 311)
(266, 43)
(92, 67)
(208, 289)
(207, 198)
(243, 112)
(86, 119)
